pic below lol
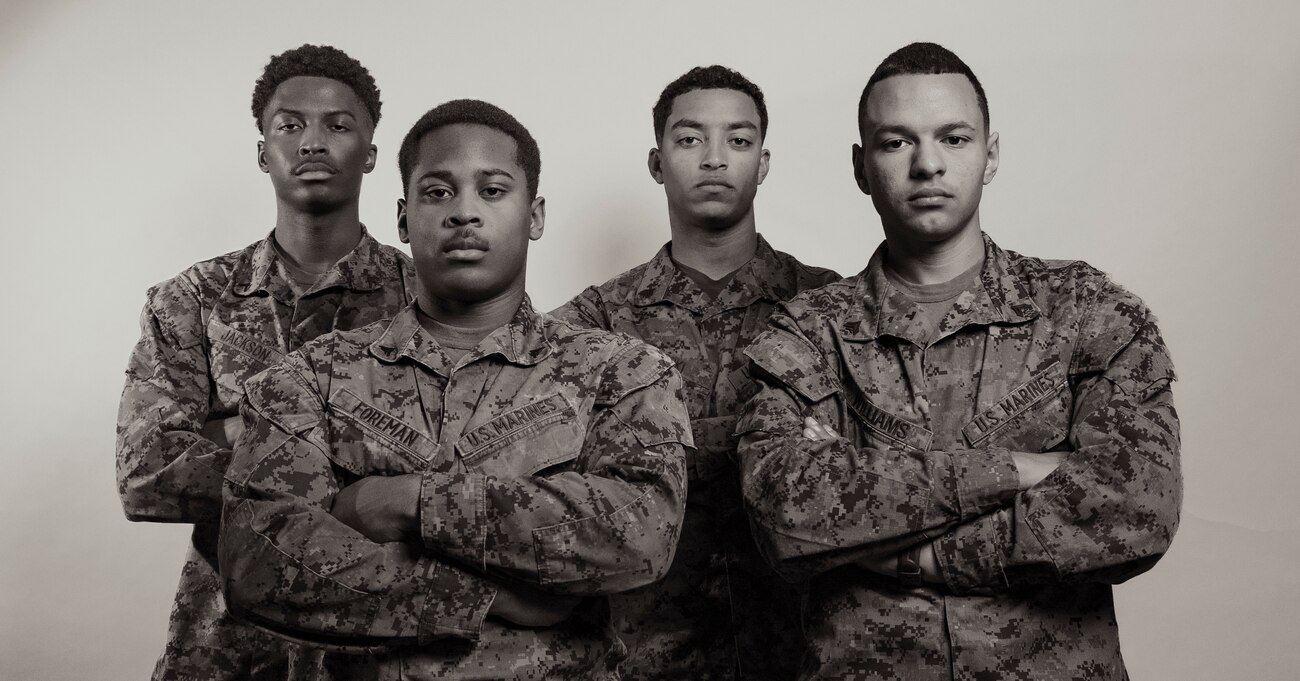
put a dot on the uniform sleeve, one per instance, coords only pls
(167, 471)
(1110, 510)
(816, 505)
(609, 524)
(584, 311)
(291, 567)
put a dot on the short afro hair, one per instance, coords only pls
(316, 60)
(477, 112)
(923, 59)
(714, 77)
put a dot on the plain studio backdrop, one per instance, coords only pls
(1158, 141)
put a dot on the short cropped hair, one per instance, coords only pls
(714, 77)
(323, 61)
(477, 112)
(923, 59)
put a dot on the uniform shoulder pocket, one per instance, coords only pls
(793, 362)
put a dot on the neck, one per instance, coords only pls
(934, 262)
(714, 252)
(489, 313)
(316, 242)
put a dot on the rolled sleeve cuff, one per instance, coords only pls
(972, 556)
(457, 604)
(453, 515)
(986, 480)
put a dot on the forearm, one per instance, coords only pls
(168, 469)
(801, 490)
(569, 532)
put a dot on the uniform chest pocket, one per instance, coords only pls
(366, 440)
(525, 440)
(1033, 417)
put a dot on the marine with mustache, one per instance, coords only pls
(721, 613)
(206, 331)
(453, 493)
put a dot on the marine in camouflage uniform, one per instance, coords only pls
(721, 613)
(401, 485)
(890, 454)
(209, 329)
(720, 609)
(548, 455)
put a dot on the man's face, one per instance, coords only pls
(925, 155)
(316, 144)
(467, 214)
(710, 158)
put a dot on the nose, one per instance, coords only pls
(311, 142)
(463, 213)
(928, 160)
(715, 157)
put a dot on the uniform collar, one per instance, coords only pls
(362, 269)
(522, 341)
(1002, 297)
(761, 277)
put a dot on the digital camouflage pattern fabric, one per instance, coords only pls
(1041, 356)
(721, 613)
(203, 334)
(550, 456)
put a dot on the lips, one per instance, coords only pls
(314, 167)
(929, 193)
(466, 248)
(714, 183)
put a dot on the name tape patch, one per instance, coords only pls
(513, 421)
(1029, 393)
(378, 421)
(245, 344)
(885, 423)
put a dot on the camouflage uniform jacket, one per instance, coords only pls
(1042, 356)
(203, 333)
(549, 455)
(720, 610)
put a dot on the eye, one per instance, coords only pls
(893, 144)
(438, 192)
(688, 140)
(288, 126)
(956, 140)
(741, 142)
(340, 127)
(493, 192)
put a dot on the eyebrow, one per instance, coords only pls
(942, 130)
(448, 176)
(690, 123)
(295, 112)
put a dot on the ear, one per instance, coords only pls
(537, 221)
(655, 164)
(369, 165)
(764, 160)
(991, 162)
(402, 234)
(261, 157)
(859, 170)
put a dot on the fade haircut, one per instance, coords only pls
(477, 112)
(323, 61)
(923, 59)
(714, 77)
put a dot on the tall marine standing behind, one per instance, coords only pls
(207, 330)
(720, 613)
